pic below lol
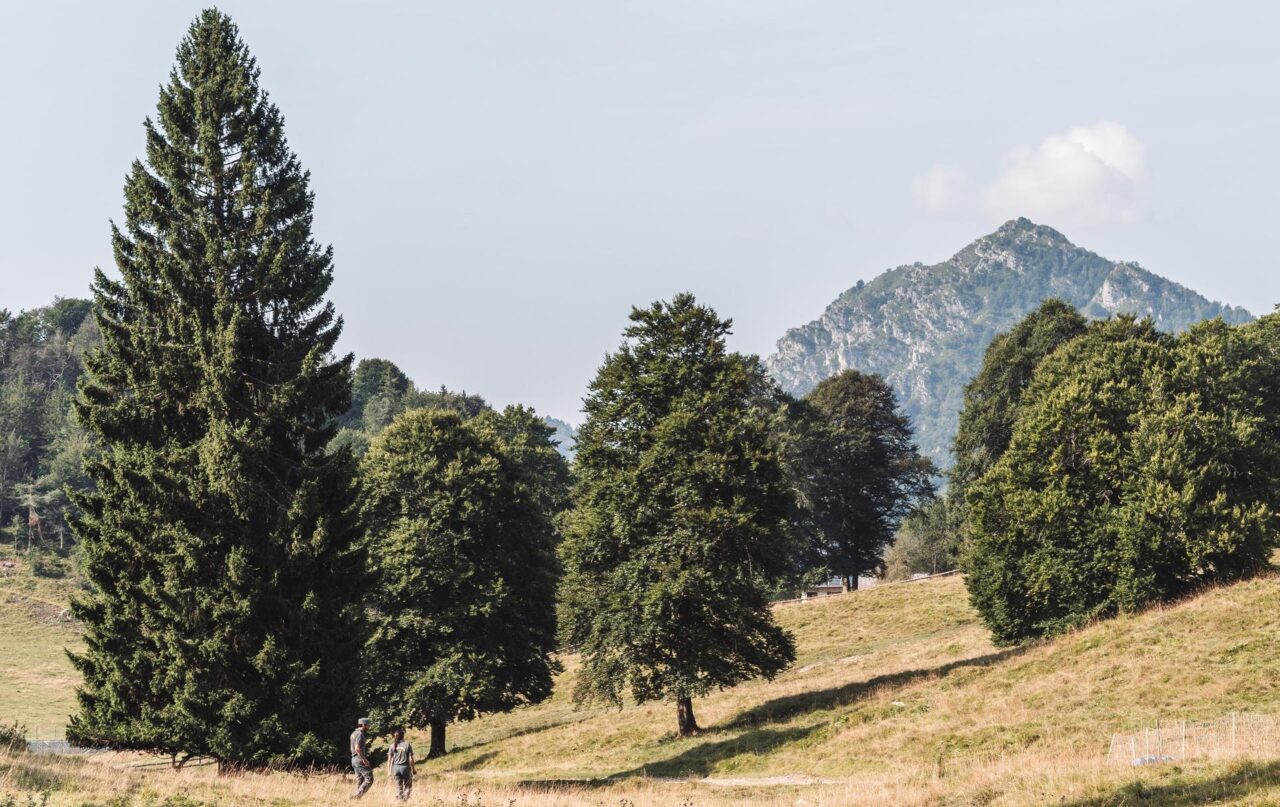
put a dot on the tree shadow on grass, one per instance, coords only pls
(697, 761)
(478, 761)
(1237, 783)
(790, 706)
(577, 716)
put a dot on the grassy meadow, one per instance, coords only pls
(897, 697)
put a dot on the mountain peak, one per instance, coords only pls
(1024, 230)
(1019, 224)
(925, 328)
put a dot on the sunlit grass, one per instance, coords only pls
(897, 697)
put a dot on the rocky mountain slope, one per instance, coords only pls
(566, 436)
(924, 328)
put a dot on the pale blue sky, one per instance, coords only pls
(501, 181)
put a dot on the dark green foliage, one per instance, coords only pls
(460, 519)
(992, 398)
(529, 443)
(679, 517)
(856, 470)
(927, 542)
(1141, 467)
(375, 378)
(223, 617)
(1204, 503)
(1044, 549)
(380, 392)
(42, 443)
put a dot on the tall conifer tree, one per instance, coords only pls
(223, 615)
(679, 517)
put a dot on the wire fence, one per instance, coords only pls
(1240, 734)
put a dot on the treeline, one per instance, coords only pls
(274, 542)
(42, 445)
(1105, 466)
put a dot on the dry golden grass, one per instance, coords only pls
(898, 697)
(111, 780)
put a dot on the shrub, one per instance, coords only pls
(13, 738)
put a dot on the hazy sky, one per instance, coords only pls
(502, 181)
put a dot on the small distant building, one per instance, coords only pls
(836, 586)
(823, 590)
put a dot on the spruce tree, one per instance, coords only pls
(225, 572)
(679, 518)
(463, 544)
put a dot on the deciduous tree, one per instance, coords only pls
(679, 517)
(992, 399)
(857, 471)
(1141, 467)
(460, 527)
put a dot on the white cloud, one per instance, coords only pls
(1087, 175)
(940, 188)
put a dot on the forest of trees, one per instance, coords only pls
(42, 445)
(273, 540)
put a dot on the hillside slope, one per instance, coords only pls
(897, 697)
(924, 328)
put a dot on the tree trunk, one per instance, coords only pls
(686, 723)
(853, 582)
(437, 740)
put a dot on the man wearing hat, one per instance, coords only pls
(359, 760)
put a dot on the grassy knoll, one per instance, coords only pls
(898, 697)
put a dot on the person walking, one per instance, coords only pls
(400, 758)
(360, 759)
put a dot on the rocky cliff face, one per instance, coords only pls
(566, 436)
(924, 328)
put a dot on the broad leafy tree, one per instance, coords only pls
(857, 471)
(992, 398)
(678, 520)
(927, 542)
(222, 618)
(461, 535)
(380, 392)
(1043, 551)
(1141, 467)
(1203, 504)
